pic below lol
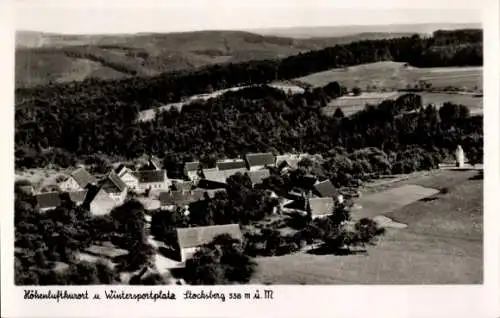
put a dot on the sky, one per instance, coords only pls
(130, 16)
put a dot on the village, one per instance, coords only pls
(149, 184)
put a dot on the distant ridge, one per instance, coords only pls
(336, 31)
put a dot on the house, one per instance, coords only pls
(214, 178)
(183, 185)
(191, 238)
(152, 180)
(77, 180)
(320, 207)
(78, 197)
(99, 202)
(230, 164)
(325, 189)
(173, 199)
(106, 253)
(258, 161)
(48, 201)
(127, 176)
(287, 162)
(191, 170)
(115, 187)
(257, 177)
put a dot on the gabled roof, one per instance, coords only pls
(78, 196)
(48, 200)
(155, 162)
(287, 160)
(175, 198)
(325, 189)
(231, 164)
(192, 166)
(198, 236)
(150, 176)
(260, 159)
(221, 176)
(321, 206)
(82, 177)
(114, 184)
(184, 186)
(258, 176)
(99, 197)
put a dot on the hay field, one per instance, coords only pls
(389, 200)
(353, 104)
(442, 244)
(395, 75)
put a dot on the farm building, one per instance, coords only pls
(230, 164)
(77, 180)
(152, 180)
(213, 178)
(258, 161)
(99, 202)
(191, 238)
(191, 170)
(173, 199)
(128, 177)
(320, 207)
(257, 177)
(115, 187)
(48, 201)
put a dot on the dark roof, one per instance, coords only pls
(175, 198)
(114, 184)
(325, 189)
(82, 177)
(198, 236)
(231, 165)
(149, 176)
(287, 160)
(258, 176)
(77, 196)
(192, 166)
(321, 206)
(48, 200)
(260, 159)
(185, 185)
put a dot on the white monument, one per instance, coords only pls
(459, 157)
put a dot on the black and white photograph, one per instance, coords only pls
(153, 150)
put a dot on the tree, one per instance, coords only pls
(356, 91)
(220, 262)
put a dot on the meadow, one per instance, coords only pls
(442, 244)
(391, 76)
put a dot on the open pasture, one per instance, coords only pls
(442, 244)
(390, 200)
(391, 76)
(352, 104)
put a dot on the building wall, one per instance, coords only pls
(119, 197)
(69, 185)
(187, 253)
(256, 168)
(193, 175)
(153, 186)
(130, 180)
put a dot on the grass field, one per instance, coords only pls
(392, 76)
(352, 104)
(442, 244)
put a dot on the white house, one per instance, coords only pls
(115, 187)
(128, 177)
(152, 180)
(77, 180)
(102, 203)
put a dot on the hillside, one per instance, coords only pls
(42, 58)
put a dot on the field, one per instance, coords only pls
(390, 76)
(352, 104)
(42, 57)
(442, 244)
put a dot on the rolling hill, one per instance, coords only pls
(42, 58)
